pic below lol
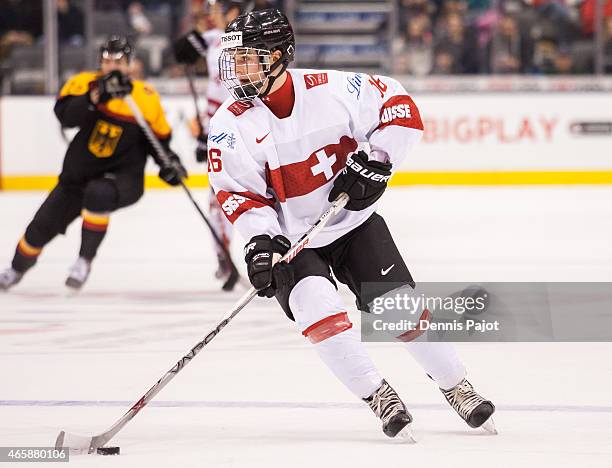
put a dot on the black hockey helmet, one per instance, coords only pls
(259, 32)
(115, 47)
(266, 29)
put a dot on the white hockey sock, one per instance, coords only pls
(314, 299)
(347, 358)
(439, 360)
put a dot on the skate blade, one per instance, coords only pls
(71, 291)
(489, 426)
(406, 435)
(73, 285)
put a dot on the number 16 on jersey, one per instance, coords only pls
(214, 160)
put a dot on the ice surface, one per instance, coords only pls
(258, 396)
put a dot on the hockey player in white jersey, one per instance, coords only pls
(206, 43)
(279, 151)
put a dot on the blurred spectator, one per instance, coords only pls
(414, 52)
(458, 40)
(255, 5)
(509, 51)
(124, 5)
(137, 19)
(70, 23)
(21, 16)
(557, 18)
(412, 8)
(444, 62)
(564, 63)
(20, 24)
(459, 7)
(545, 55)
(417, 7)
(608, 44)
(587, 14)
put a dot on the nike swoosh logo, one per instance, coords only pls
(384, 272)
(259, 140)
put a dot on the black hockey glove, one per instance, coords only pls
(363, 181)
(174, 172)
(201, 152)
(113, 85)
(266, 274)
(189, 48)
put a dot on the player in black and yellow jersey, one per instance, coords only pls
(104, 165)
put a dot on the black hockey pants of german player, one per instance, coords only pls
(94, 201)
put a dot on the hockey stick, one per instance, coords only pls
(82, 444)
(159, 149)
(194, 95)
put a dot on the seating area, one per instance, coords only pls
(22, 69)
(340, 34)
(399, 37)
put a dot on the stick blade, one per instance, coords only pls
(231, 281)
(75, 443)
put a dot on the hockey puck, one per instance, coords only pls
(108, 450)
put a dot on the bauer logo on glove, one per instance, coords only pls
(364, 181)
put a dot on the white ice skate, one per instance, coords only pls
(396, 419)
(473, 409)
(9, 278)
(78, 273)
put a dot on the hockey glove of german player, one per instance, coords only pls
(363, 181)
(266, 273)
(188, 49)
(173, 172)
(113, 85)
(202, 148)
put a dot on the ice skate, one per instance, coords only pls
(387, 405)
(78, 273)
(9, 278)
(473, 409)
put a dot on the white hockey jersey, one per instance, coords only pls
(273, 175)
(216, 92)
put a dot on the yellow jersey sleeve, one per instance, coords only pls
(149, 102)
(78, 84)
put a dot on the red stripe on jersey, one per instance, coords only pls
(234, 204)
(301, 178)
(402, 111)
(128, 118)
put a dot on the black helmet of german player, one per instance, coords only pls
(116, 47)
(245, 64)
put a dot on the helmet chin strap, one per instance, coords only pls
(272, 78)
